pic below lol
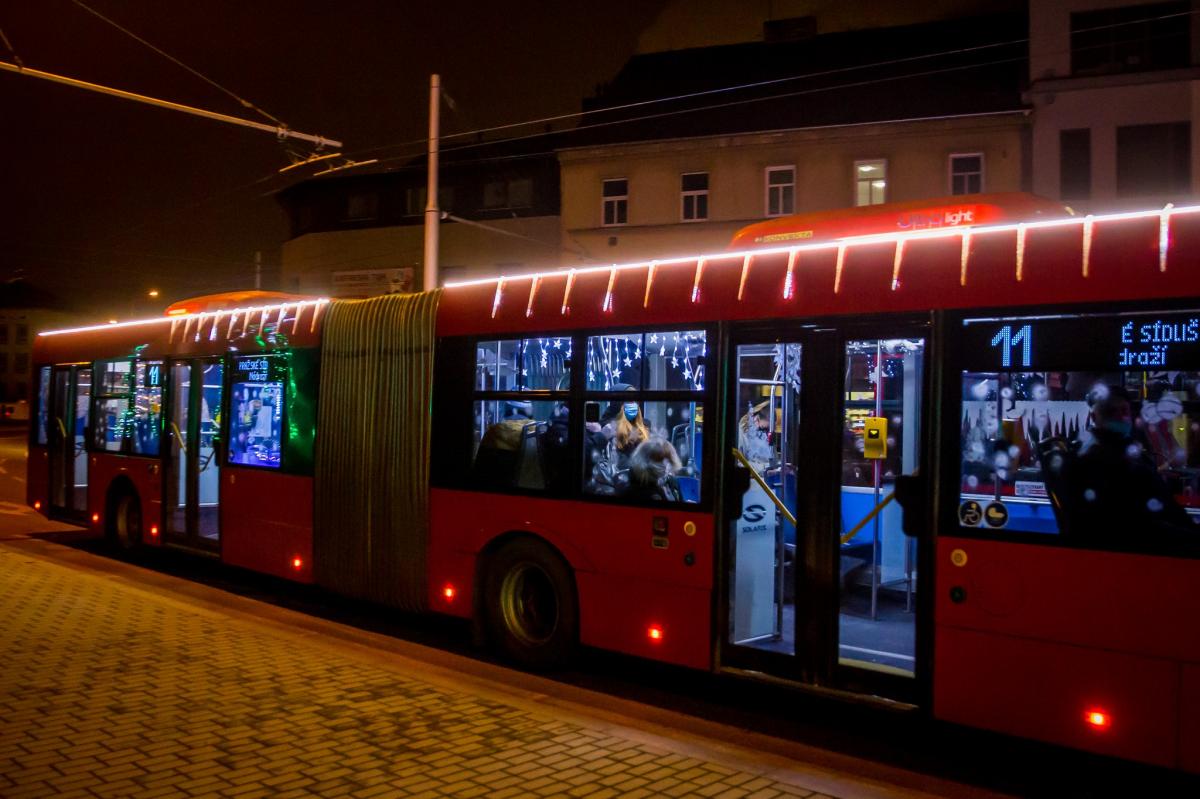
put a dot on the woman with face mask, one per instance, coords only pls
(631, 428)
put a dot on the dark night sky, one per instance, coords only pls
(104, 199)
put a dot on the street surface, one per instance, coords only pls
(163, 675)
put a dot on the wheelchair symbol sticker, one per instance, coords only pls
(970, 513)
(996, 515)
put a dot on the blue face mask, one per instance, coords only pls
(631, 411)
(1119, 427)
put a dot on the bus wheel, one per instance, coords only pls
(530, 608)
(125, 524)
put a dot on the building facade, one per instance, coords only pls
(1115, 90)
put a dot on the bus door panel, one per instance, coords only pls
(68, 436)
(762, 508)
(821, 578)
(193, 464)
(882, 404)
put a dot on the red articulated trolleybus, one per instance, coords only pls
(692, 460)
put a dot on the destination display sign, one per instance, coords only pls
(1152, 341)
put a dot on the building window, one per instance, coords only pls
(1131, 38)
(616, 202)
(1154, 159)
(414, 200)
(870, 182)
(693, 189)
(362, 207)
(508, 194)
(966, 173)
(22, 334)
(21, 363)
(3, 363)
(3, 333)
(781, 190)
(1075, 164)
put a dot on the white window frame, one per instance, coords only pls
(950, 170)
(858, 179)
(767, 187)
(616, 200)
(695, 193)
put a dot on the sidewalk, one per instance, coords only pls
(118, 681)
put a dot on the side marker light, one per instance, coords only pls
(297, 563)
(37, 505)
(154, 531)
(449, 592)
(1098, 719)
(654, 633)
(95, 518)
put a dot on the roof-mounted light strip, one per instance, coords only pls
(200, 315)
(849, 241)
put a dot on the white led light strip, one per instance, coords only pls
(185, 318)
(848, 241)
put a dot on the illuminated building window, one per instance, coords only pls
(781, 190)
(693, 187)
(966, 173)
(616, 202)
(870, 182)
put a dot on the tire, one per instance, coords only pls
(530, 608)
(125, 521)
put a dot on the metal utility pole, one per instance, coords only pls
(432, 212)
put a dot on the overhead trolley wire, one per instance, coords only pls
(242, 101)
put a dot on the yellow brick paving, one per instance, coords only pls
(106, 690)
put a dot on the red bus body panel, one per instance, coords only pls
(266, 522)
(146, 476)
(1045, 635)
(37, 479)
(626, 584)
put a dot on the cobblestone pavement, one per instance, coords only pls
(114, 684)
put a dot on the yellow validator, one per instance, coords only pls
(875, 437)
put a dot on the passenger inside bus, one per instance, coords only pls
(653, 467)
(1112, 487)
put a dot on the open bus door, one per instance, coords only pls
(821, 579)
(71, 400)
(193, 458)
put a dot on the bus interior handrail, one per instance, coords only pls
(787, 514)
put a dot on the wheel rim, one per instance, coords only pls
(529, 604)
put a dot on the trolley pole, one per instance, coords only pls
(257, 270)
(432, 213)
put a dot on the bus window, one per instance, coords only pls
(643, 449)
(521, 414)
(147, 408)
(1083, 431)
(256, 411)
(673, 360)
(43, 404)
(112, 416)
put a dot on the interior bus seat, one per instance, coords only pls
(528, 471)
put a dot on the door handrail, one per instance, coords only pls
(787, 514)
(874, 512)
(179, 438)
(62, 428)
